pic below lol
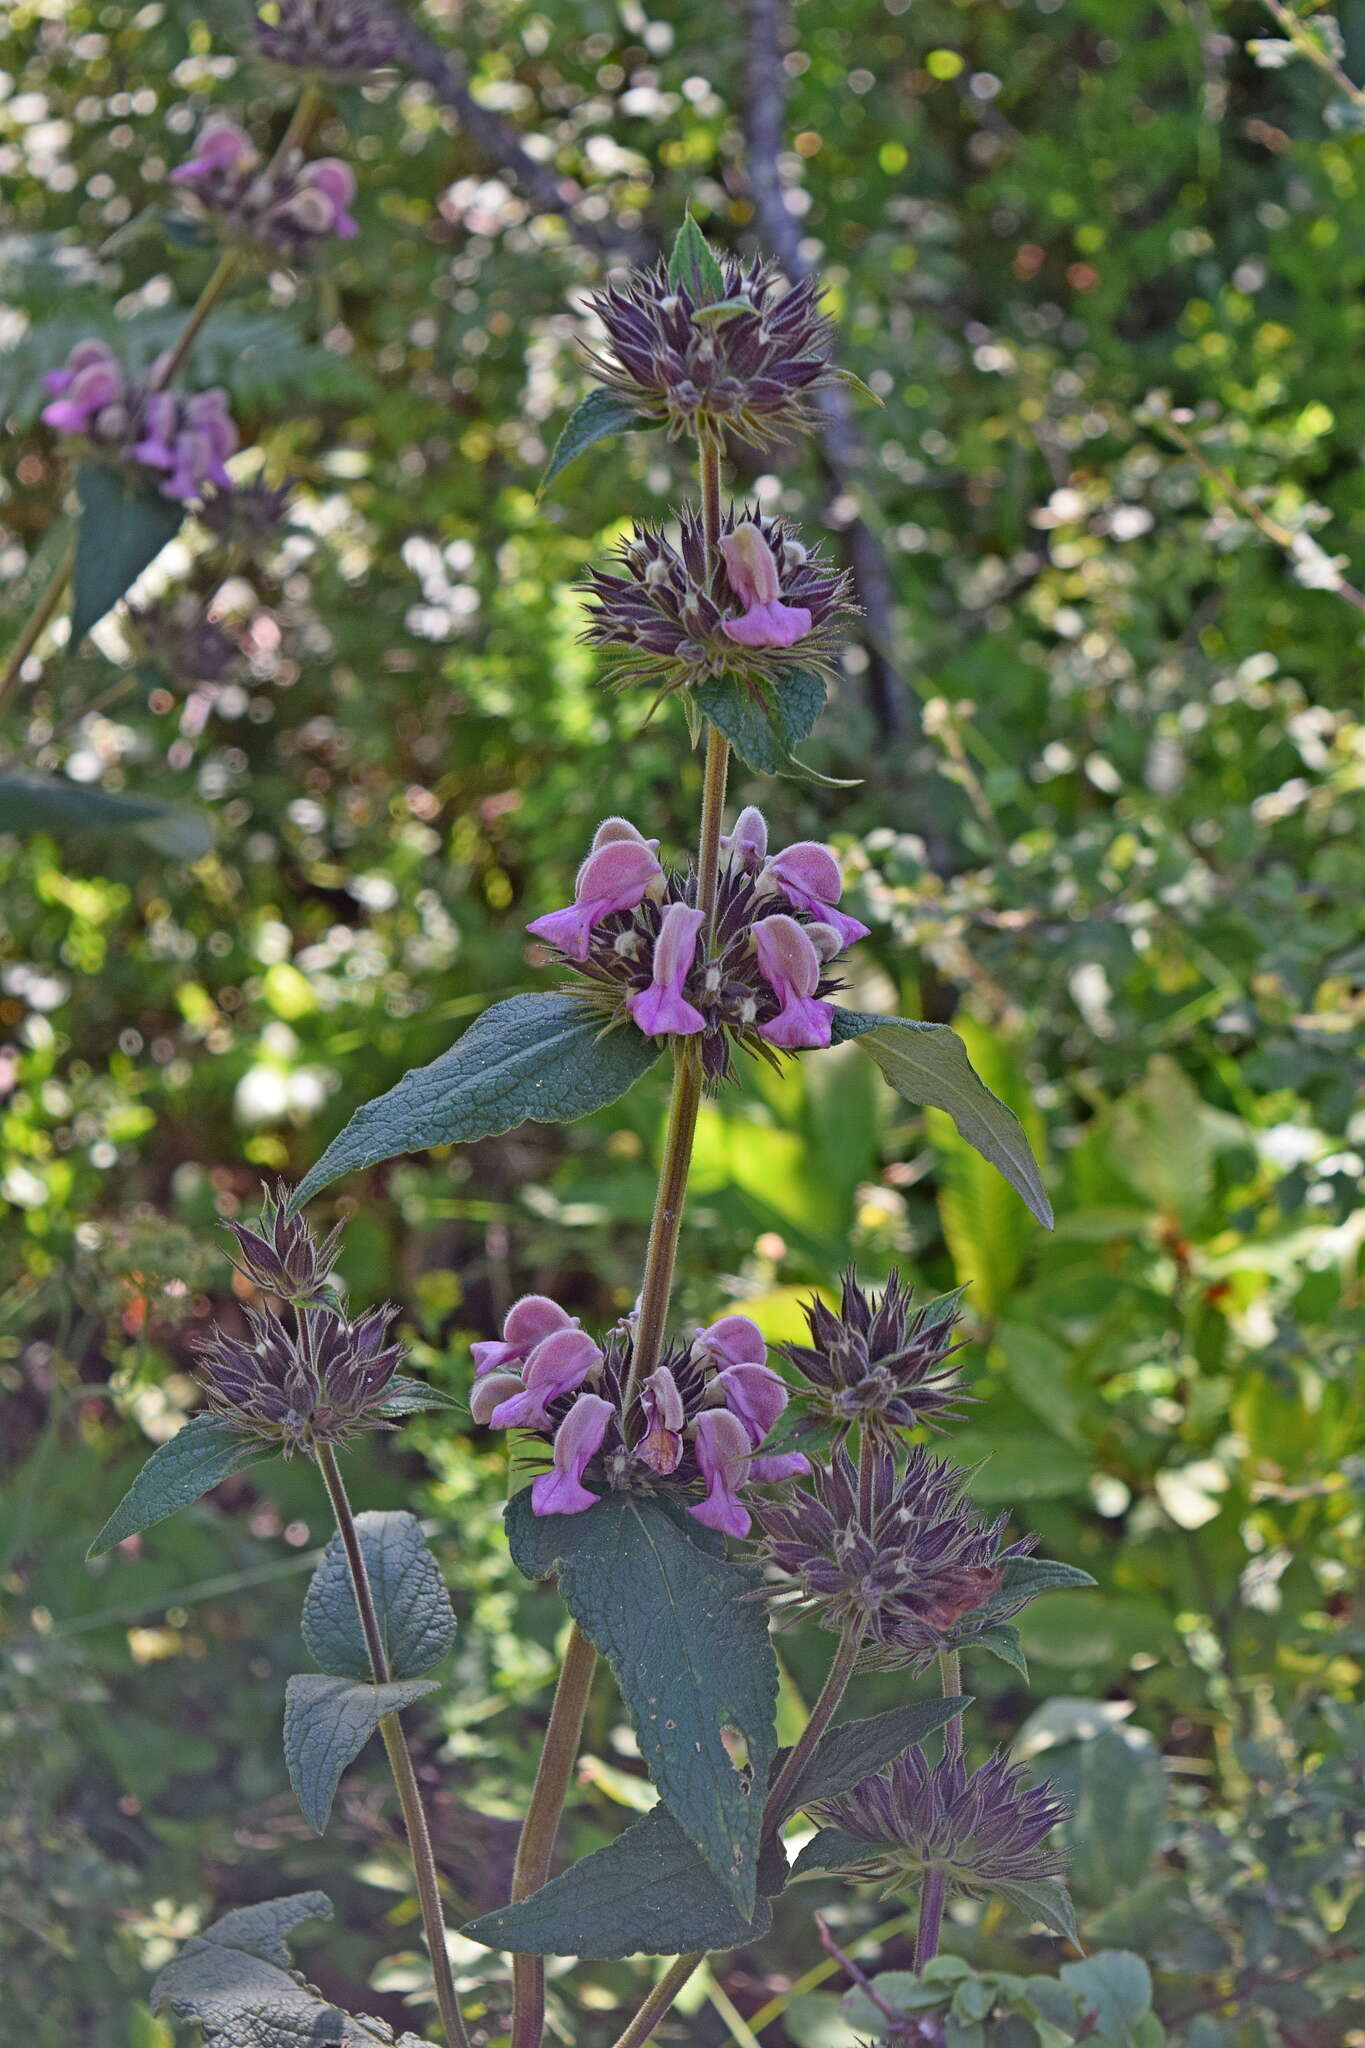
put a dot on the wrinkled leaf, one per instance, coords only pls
(928, 1064)
(832, 1849)
(236, 1982)
(647, 1893)
(1002, 1640)
(855, 1750)
(1046, 1899)
(690, 1650)
(538, 1057)
(692, 265)
(327, 1722)
(415, 1617)
(1117, 1988)
(599, 417)
(1025, 1578)
(121, 531)
(197, 1458)
(411, 1397)
(764, 721)
(69, 810)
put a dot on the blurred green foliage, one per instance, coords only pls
(1117, 843)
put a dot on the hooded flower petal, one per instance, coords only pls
(790, 965)
(526, 1323)
(661, 1446)
(559, 1364)
(722, 1447)
(733, 1340)
(489, 1394)
(662, 1008)
(755, 1393)
(809, 876)
(750, 565)
(577, 1441)
(748, 843)
(615, 876)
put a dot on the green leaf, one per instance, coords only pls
(411, 1397)
(692, 266)
(763, 720)
(1113, 1779)
(898, 1988)
(1025, 1578)
(1002, 1640)
(544, 1058)
(858, 1749)
(121, 531)
(689, 1645)
(327, 1722)
(648, 1893)
(410, 1598)
(70, 810)
(196, 1459)
(928, 1063)
(236, 1982)
(986, 1233)
(598, 417)
(833, 1849)
(722, 311)
(1046, 1899)
(1117, 1988)
(855, 383)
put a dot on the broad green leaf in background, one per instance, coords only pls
(928, 1064)
(237, 1982)
(689, 1647)
(327, 1722)
(416, 1621)
(650, 1892)
(1164, 1138)
(1112, 1777)
(70, 810)
(121, 531)
(599, 417)
(197, 1458)
(983, 1224)
(692, 265)
(544, 1058)
(1117, 1988)
(856, 1750)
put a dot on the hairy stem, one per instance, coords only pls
(301, 124)
(400, 1760)
(539, 1829)
(821, 1714)
(658, 2002)
(950, 1684)
(666, 1222)
(932, 1899)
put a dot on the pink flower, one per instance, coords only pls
(722, 1444)
(809, 876)
(661, 1445)
(612, 829)
(524, 1326)
(336, 182)
(96, 384)
(82, 357)
(577, 1441)
(615, 876)
(160, 419)
(662, 1007)
(490, 1393)
(734, 1340)
(783, 1465)
(790, 965)
(748, 843)
(558, 1365)
(752, 569)
(221, 147)
(755, 1393)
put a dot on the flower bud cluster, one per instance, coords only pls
(979, 1829)
(756, 979)
(178, 638)
(883, 1364)
(902, 1558)
(337, 39)
(185, 441)
(745, 362)
(692, 1429)
(678, 614)
(310, 1375)
(287, 208)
